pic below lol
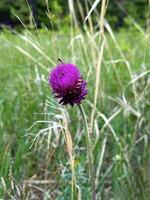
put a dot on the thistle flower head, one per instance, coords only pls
(67, 84)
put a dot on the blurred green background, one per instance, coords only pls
(117, 12)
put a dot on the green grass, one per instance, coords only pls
(24, 100)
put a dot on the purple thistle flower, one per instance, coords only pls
(67, 84)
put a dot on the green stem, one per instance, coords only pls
(89, 153)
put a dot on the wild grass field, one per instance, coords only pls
(38, 160)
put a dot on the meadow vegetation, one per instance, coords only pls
(42, 145)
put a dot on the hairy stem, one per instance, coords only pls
(89, 153)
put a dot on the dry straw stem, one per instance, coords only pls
(99, 63)
(69, 145)
(89, 18)
(94, 5)
(74, 23)
(90, 35)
